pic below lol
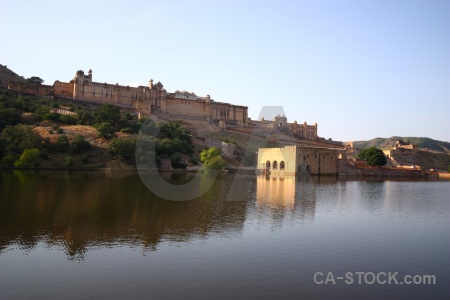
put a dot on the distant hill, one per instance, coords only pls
(423, 142)
(6, 75)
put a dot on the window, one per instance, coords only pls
(267, 164)
(275, 165)
(282, 165)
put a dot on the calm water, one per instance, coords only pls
(72, 235)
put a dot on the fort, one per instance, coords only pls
(154, 100)
(294, 160)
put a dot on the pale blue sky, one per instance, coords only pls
(360, 69)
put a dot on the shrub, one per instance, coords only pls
(193, 160)
(21, 137)
(211, 159)
(106, 130)
(68, 119)
(30, 158)
(62, 144)
(9, 159)
(79, 144)
(68, 161)
(215, 163)
(59, 130)
(176, 161)
(85, 159)
(9, 116)
(107, 113)
(373, 156)
(122, 147)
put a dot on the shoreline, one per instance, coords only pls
(434, 176)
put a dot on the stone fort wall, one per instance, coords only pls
(146, 100)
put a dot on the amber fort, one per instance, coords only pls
(299, 148)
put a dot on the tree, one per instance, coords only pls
(68, 119)
(176, 161)
(21, 137)
(79, 144)
(208, 154)
(212, 159)
(215, 163)
(107, 113)
(122, 147)
(373, 156)
(9, 116)
(9, 159)
(106, 130)
(35, 80)
(62, 144)
(3, 146)
(30, 158)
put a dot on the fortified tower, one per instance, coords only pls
(80, 80)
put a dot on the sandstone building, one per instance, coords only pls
(293, 160)
(155, 100)
(151, 99)
(280, 124)
(402, 148)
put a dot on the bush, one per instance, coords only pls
(9, 116)
(85, 159)
(68, 161)
(9, 159)
(59, 130)
(215, 163)
(62, 144)
(211, 159)
(30, 158)
(176, 161)
(122, 147)
(106, 130)
(193, 160)
(164, 147)
(21, 137)
(68, 119)
(373, 156)
(107, 113)
(79, 144)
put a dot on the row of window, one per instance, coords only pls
(275, 165)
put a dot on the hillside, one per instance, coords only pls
(423, 142)
(6, 75)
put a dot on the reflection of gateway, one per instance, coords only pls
(277, 192)
(292, 160)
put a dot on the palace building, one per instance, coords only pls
(293, 160)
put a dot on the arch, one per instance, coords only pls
(275, 165)
(268, 165)
(282, 165)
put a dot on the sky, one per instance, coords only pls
(359, 69)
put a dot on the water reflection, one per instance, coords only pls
(80, 210)
(285, 199)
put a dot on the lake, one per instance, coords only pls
(97, 235)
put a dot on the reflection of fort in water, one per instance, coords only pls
(287, 196)
(79, 211)
(83, 210)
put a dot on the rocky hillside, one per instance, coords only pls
(6, 75)
(423, 142)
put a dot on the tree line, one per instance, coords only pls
(20, 146)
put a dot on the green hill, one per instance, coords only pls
(423, 142)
